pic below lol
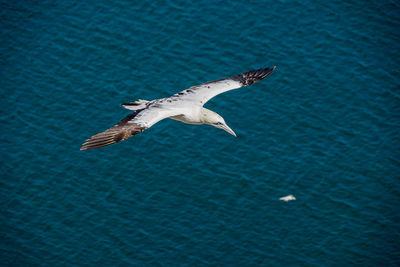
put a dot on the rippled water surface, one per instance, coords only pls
(324, 126)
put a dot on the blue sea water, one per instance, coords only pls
(324, 126)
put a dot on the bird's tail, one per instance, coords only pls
(139, 104)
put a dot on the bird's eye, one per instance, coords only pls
(218, 123)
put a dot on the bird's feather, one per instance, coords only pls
(135, 105)
(204, 92)
(131, 125)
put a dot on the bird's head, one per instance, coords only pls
(214, 119)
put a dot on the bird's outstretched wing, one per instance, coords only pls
(131, 125)
(204, 92)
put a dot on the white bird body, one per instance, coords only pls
(185, 106)
(190, 115)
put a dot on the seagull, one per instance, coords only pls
(185, 106)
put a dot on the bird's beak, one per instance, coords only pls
(229, 130)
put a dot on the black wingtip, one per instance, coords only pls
(254, 76)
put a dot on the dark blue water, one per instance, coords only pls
(324, 126)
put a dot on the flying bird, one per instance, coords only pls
(185, 106)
